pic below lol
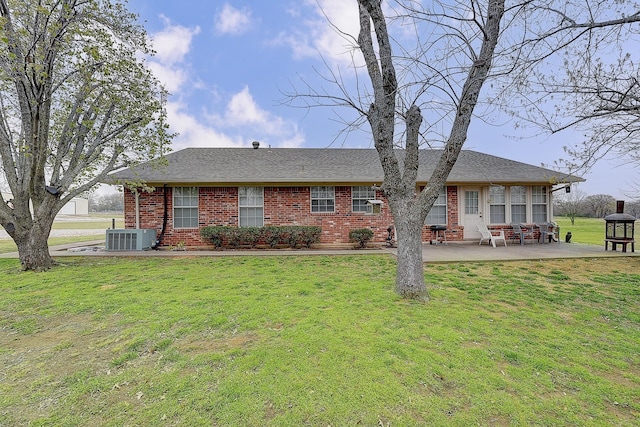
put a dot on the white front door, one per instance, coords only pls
(471, 212)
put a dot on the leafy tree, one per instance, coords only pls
(76, 102)
(424, 90)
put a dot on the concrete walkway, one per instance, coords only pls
(452, 252)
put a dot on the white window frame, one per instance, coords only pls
(183, 201)
(435, 213)
(497, 204)
(361, 194)
(536, 197)
(326, 198)
(251, 202)
(517, 202)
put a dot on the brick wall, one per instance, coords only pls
(282, 206)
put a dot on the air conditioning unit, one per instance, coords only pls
(130, 239)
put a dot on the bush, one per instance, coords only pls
(293, 236)
(361, 236)
(271, 235)
(215, 234)
(250, 235)
(310, 235)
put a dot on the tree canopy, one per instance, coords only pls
(76, 102)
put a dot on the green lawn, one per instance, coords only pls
(292, 341)
(584, 230)
(97, 222)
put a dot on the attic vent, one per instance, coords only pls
(130, 239)
(255, 144)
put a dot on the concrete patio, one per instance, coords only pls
(454, 252)
(451, 252)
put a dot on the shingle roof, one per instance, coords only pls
(320, 165)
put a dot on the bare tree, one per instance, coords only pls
(592, 85)
(425, 89)
(633, 208)
(410, 210)
(75, 104)
(600, 205)
(113, 202)
(571, 204)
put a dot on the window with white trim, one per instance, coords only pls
(185, 207)
(497, 204)
(539, 203)
(518, 204)
(323, 199)
(360, 195)
(251, 206)
(438, 213)
(471, 202)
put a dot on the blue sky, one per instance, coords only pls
(227, 63)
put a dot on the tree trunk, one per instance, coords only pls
(33, 249)
(410, 275)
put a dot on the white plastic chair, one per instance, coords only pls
(490, 236)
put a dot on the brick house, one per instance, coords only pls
(330, 188)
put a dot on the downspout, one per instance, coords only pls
(164, 219)
(137, 196)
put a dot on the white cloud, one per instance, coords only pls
(193, 133)
(332, 32)
(245, 115)
(242, 109)
(241, 119)
(172, 45)
(241, 122)
(232, 21)
(171, 78)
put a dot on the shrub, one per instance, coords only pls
(293, 235)
(310, 235)
(215, 234)
(250, 235)
(233, 236)
(361, 236)
(271, 235)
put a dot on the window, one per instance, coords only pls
(497, 212)
(518, 204)
(185, 207)
(359, 198)
(323, 199)
(471, 202)
(251, 204)
(539, 203)
(438, 213)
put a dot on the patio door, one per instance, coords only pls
(471, 212)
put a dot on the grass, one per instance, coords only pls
(97, 222)
(584, 230)
(260, 341)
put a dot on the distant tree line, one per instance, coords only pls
(106, 203)
(578, 204)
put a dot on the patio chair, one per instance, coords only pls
(547, 233)
(489, 236)
(522, 232)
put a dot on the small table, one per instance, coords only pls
(435, 229)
